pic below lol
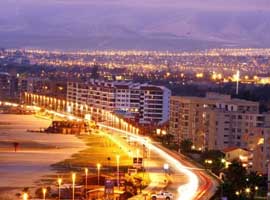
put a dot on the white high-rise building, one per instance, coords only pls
(148, 103)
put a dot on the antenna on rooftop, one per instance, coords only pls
(237, 76)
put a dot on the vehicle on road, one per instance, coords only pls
(162, 195)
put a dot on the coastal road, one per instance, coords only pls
(153, 164)
(187, 181)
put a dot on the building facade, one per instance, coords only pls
(5, 85)
(213, 122)
(148, 103)
(258, 142)
(42, 86)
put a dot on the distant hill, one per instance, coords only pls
(71, 26)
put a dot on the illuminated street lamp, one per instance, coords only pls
(25, 196)
(86, 177)
(247, 190)
(166, 168)
(256, 190)
(59, 181)
(208, 161)
(44, 191)
(138, 153)
(98, 170)
(117, 163)
(73, 185)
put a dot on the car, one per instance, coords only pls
(162, 195)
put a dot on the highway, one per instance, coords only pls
(197, 184)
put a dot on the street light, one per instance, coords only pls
(208, 161)
(86, 177)
(59, 181)
(44, 191)
(117, 162)
(247, 190)
(138, 153)
(256, 190)
(73, 185)
(166, 167)
(98, 170)
(25, 196)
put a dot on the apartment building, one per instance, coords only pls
(188, 117)
(213, 122)
(5, 85)
(227, 127)
(148, 102)
(42, 86)
(258, 142)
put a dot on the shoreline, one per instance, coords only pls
(37, 152)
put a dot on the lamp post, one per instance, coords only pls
(256, 190)
(109, 159)
(86, 183)
(247, 190)
(25, 196)
(73, 185)
(98, 171)
(138, 153)
(117, 162)
(166, 168)
(59, 181)
(44, 191)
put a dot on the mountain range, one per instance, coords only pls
(69, 25)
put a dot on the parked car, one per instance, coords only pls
(162, 195)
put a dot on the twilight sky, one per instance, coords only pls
(130, 24)
(193, 4)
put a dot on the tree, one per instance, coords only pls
(257, 184)
(186, 145)
(216, 157)
(236, 174)
(168, 138)
(235, 185)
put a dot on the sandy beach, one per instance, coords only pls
(36, 151)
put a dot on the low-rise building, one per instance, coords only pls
(236, 153)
